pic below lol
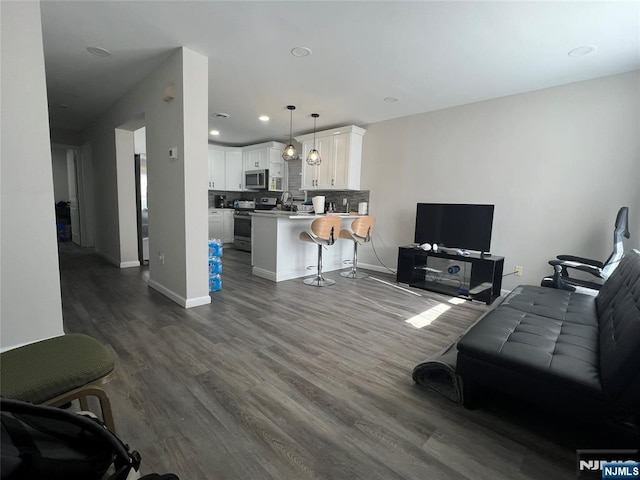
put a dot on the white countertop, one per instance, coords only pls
(299, 216)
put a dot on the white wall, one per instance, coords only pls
(177, 201)
(30, 306)
(557, 163)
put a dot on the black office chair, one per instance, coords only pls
(561, 278)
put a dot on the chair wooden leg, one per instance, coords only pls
(81, 394)
(84, 403)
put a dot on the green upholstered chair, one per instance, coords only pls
(58, 370)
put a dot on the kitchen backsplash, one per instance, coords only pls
(335, 196)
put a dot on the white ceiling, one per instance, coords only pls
(430, 55)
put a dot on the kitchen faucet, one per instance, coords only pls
(287, 196)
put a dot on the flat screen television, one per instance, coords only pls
(455, 225)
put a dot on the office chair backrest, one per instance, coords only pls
(621, 230)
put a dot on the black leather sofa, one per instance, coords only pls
(571, 352)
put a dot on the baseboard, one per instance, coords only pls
(11, 347)
(133, 263)
(375, 268)
(117, 263)
(197, 301)
(262, 273)
(179, 299)
(108, 258)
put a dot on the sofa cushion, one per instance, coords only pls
(553, 303)
(541, 332)
(618, 305)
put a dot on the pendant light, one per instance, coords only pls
(290, 154)
(314, 156)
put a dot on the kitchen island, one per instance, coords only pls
(278, 254)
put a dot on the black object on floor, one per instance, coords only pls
(41, 442)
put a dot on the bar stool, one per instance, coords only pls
(58, 370)
(324, 232)
(361, 230)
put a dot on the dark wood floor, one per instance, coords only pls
(285, 381)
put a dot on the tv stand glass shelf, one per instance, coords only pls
(475, 276)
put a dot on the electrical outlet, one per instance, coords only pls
(161, 257)
(518, 270)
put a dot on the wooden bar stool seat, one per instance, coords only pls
(324, 232)
(58, 370)
(360, 232)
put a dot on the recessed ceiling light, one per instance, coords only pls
(581, 51)
(263, 118)
(391, 99)
(98, 51)
(221, 115)
(300, 51)
(214, 132)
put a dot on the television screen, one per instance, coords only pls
(453, 225)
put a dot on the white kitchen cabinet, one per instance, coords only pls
(341, 153)
(221, 224)
(217, 168)
(256, 159)
(216, 228)
(225, 168)
(267, 156)
(227, 226)
(233, 169)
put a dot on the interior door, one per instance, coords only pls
(72, 180)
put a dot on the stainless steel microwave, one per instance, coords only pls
(256, 179)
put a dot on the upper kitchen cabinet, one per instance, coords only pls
(217, 168)
(233, 169)
(341, 153)
(225, 168)
(266, 156)
(255, 159)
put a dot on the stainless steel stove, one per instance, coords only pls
(242, 224)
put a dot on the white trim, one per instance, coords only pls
(375, 268)
(197, 301)
(266, 274)
(129, 264)
(4, 349)
(179, 299)
(108, 258)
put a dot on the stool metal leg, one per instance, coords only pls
(354, 273)
(319, 280)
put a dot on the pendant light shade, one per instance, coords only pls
(314, 156)
(290, 154)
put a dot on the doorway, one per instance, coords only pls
(66, 183)
(142, 208)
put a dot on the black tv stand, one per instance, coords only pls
(477, 276)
